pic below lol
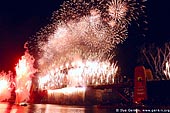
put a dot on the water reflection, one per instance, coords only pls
(49, 108)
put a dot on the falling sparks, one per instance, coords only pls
(69, 90)
(69, 93)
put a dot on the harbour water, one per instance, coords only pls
(52, 108)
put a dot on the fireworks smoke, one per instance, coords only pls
(85, 29)
(24, 72)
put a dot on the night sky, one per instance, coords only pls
(21, 19)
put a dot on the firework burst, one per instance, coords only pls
(79, 73)
(86, 30)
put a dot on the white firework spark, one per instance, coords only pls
(79, 73)
(6, 85)
(167, 70)
(86, 30)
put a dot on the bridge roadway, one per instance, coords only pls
(116, 88)
(110, 86)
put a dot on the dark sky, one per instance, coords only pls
(158, 18)
(20, 19)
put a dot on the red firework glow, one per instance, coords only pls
(22, 83)
(6, 85)
(24, 74)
